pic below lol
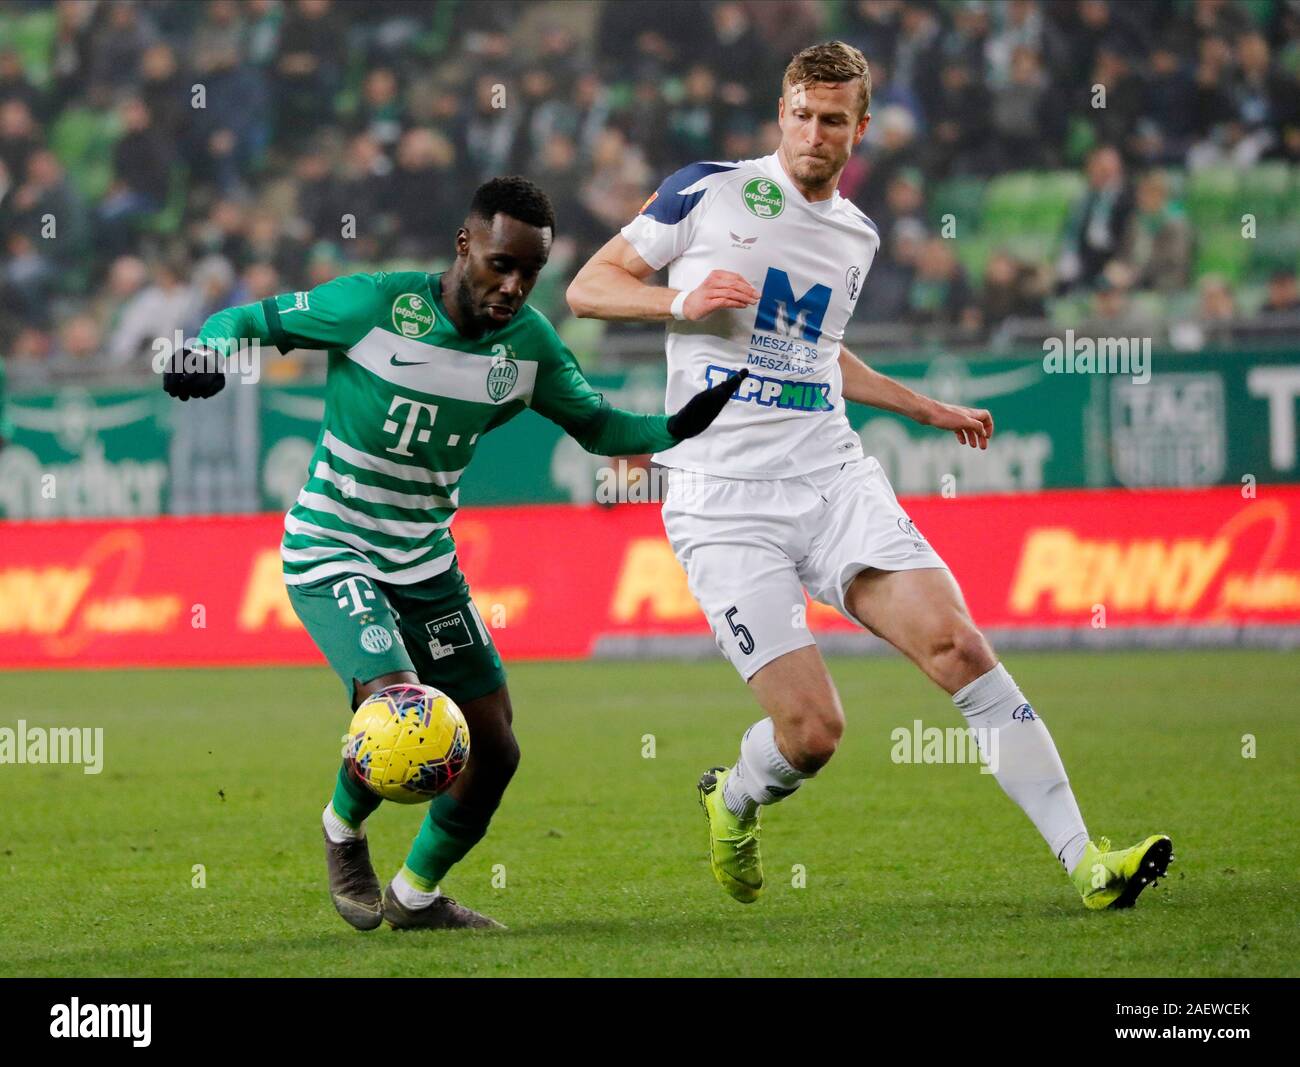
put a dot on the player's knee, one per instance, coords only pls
(960, 647)
(813, 737)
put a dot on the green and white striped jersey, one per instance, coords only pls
(406, 400)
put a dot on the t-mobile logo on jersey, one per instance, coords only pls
(412, 422)
(357, 594)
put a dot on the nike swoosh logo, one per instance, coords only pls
(403, 363)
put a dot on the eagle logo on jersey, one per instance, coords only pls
(853, 281)
(501, 379)
(763, 198)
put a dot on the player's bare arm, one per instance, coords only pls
(612, 285)
(862, 385)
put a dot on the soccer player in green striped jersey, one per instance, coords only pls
(420, 367)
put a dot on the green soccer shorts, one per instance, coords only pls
(367, 628)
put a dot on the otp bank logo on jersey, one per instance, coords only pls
(776, 392)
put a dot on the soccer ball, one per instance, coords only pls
(406, 743)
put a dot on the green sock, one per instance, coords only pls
(352, 801)
(448, 832)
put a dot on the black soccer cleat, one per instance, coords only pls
(442, 914)
(353, 885)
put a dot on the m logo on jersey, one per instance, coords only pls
(412, 315)
(763, 198)
(775, 392)
(780, 312)
(501, 379)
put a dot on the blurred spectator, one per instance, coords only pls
(1261, 97)
(960, 140)
(27, 280)
(1022, 109)
(1283, 296)
(1158, 243)
(49, 210)
(694, 123)
(380, 114)
(1216, 300)
(1011, 289)
(78, 343)
(560, 173)
(126, 277)
(1098, 222)
(492, 127)
(14, 83)
(119, 39)
(940, 292)
(141, 166)
(19, 136)
(887, 297)
(166, 305)
(163, 90)
(619, 181)
(904, 199)
(316, 117)
(309, 68)
(1112, 303)
(1168, 112)
(428, 199)
(895, 150)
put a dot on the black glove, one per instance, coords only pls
(201, 383)
(704, 407)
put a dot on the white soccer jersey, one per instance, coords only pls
(808, 261)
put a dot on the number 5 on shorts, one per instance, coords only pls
(742, 632)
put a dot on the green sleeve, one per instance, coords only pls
(6, 427)
(565, 397)
(335, 315)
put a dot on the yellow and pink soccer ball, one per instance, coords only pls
(407, 743)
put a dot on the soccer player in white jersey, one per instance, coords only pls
(766, 262)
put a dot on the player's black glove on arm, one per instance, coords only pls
(703, 408)
(194, 374)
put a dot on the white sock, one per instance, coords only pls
(1026, 763)
(762, 775)
(337, 830)
(409, 896)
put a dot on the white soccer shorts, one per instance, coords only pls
(751, 547)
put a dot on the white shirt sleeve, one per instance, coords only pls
(667, 222)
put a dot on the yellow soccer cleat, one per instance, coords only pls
(733, 841)
(1114, 879)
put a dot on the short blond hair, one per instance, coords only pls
(834, 61)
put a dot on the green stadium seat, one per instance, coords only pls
(1267, 191)
(83, 140)
(973, 253)
(583, 336)
(1213, 195)
(963, 198)
(168, 220)
(1066, 312)
(1222, 250)
(1276, 246)
(31, 34)
(1031, 202)
(1149, 307)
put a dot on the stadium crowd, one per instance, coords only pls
(1027, 159)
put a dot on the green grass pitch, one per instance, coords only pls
(910, 869)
